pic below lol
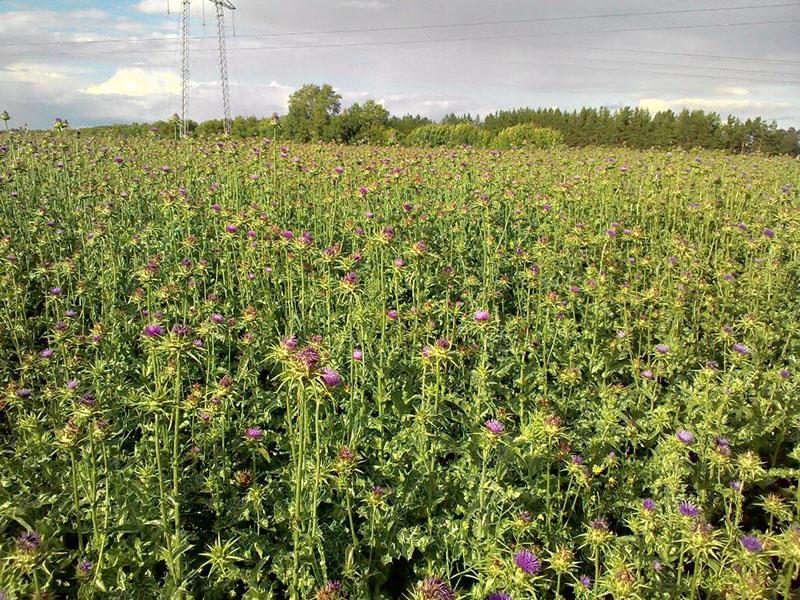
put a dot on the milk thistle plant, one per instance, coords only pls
(242, 368)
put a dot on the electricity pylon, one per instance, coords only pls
(223, 62)
(184, 65)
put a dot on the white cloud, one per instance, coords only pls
(735, 91)
(714, 104)
(30, 73)
(156, 7)
(364, 4)
(137, 82)
(286, 89)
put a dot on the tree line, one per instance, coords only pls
(315, 113)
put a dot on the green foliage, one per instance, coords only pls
(355, 122)
(638, 128)
(407, 123)
(447, 135)
(315, 113)
(236, 368)
(527, 135)
(311, 109)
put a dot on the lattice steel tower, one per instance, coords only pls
(223, 62)
(184, 64)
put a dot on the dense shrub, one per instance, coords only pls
(528, 135)
(447, 135)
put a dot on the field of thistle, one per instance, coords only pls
(235, 369)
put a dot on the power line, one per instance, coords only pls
(434, 26)
(525, 20)
(464, 39)
(676, 66)
(684, 54)
(626, 67)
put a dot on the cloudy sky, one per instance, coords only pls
(101, 61)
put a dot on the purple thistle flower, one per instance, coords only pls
(684, 436)
(434, 588)
(391, 313)
(769, 233)
(498, 596)
(495, 426)
(23, 393)
(85, 566)
(648, 374)
(687, 509)
(308, 358)
(657, 566)
(648, 504)
(69, 313)
(231, 228)
(398, 262)
(72, 385)
(88, 399)
(740, 349)
(287, 235)
(333, 590)
(55, 291)
(481, 315)
(153, 330)
(253, 433)
(662, 348)
(752, 544)
(331, 377)
(350, 279)
(289, 343)
(46, 353)
(29, 541)
(217, 318)
(527, 561)
(785, 374)
(180, 330)
(585, 581)
(736, 486)
(358, 355)
(363, 191)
